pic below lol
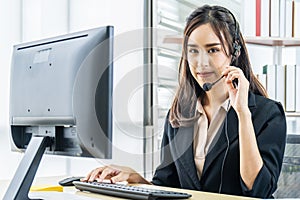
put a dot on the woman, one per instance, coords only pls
(221, 134)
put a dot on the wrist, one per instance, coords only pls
(137, 178)
(245, 112)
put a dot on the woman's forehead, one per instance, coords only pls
(203, 35)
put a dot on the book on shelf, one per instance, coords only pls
(270, 71)
(274, 17)
(265, 22)
(288, 18)
(262, 79)
(258, 17)
(280, 84)
(282, 17)
(283, 85)
(290, 71)
(298, 88)
(250, 18)
(296, 18)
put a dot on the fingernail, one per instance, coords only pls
(99, 180)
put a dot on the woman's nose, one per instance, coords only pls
(203, 59)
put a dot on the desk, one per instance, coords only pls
(74, 194)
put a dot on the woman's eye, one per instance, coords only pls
(213, 50)
(193, 51)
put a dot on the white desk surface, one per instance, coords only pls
(74, 194)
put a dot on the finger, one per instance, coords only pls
(106, 173)
(86, 178)
(230, 85)
(225, 72)
(229, 81)
(233, 75)
(95, 173)
(229, 69)
(118, 178)
(235, 70)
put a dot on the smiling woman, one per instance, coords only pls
(229, 139)
(205, 49)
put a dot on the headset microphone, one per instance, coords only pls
(207, 86)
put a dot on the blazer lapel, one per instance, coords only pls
(232, 131)
(183, 150)
(221, 144)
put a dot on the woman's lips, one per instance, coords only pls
(204, 74)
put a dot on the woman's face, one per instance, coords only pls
(206, 56)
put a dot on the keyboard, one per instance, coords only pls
(128, 191)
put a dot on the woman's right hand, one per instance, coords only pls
(115, 174)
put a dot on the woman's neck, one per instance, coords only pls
(213, 100)
(216, 96)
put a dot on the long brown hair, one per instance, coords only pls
(225, 26)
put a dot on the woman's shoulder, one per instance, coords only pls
(168, 124)
(268, 104)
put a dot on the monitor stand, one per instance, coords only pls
(22, 180)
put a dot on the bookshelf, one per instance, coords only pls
(287, 184)
(273, 41)
(277, 44)
(292, 114)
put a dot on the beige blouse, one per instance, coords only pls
(204, 133)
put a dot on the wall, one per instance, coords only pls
(10, 34)
(33, 19)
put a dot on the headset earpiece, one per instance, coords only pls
(236, 49)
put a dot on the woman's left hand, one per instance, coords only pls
(239, 95)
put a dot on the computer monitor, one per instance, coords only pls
(60, 100)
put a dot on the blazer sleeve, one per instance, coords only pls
(166, 173)
(271, 141)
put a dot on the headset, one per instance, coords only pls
(227, 149)
(236, 45)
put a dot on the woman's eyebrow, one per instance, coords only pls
(212, 44)
(192, 45)
(207, 45)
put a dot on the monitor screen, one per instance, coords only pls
(61, 89)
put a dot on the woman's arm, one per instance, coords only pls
(166, 173)
(250, 158)
(261, 151)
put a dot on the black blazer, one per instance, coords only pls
(177, 168)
